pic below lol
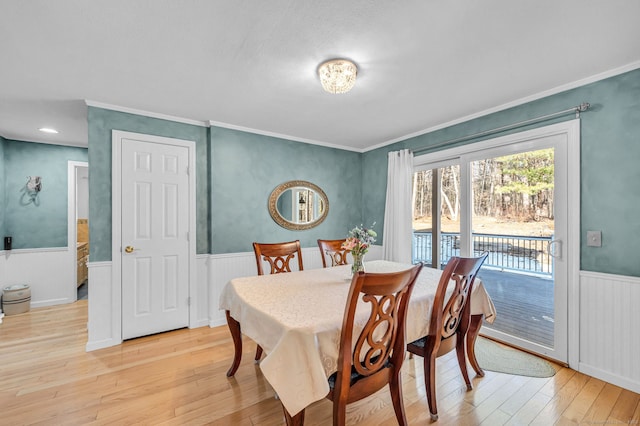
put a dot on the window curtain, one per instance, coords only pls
(398, 230)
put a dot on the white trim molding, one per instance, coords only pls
(282, 136)
(144, 113)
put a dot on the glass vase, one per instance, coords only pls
(358, 263)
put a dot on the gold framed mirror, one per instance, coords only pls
(298, 205)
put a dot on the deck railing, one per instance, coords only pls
(506, 252)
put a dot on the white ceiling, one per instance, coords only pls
(252, 64)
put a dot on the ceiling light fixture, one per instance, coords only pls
(337, 75)
(48, 130)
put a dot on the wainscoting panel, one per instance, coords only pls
(222, 268)
(609, 318)
(105, 311)
(44, 270)
(199, 303)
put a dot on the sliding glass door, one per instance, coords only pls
(513, 217)
(436, 214)
(510, 199)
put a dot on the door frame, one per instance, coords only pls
(116, 219)
(72, 227)
(571, 129)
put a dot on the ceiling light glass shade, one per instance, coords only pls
(337, 75)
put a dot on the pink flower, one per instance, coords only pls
(359, 240)
(350, 243)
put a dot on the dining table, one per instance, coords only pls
(296, 317)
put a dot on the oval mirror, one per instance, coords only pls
(298, 205)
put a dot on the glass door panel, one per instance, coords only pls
(513, 218)
(442, 199)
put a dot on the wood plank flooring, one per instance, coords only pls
(178, 378)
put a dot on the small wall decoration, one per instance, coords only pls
(31, 190)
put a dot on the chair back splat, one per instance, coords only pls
(333, 250)
(279, 256)
(449, 323)
(371, 356)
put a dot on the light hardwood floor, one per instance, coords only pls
(178, 378)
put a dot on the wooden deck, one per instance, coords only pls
(524, 304)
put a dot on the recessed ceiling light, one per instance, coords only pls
(48, 130)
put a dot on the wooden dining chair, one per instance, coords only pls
(449, 322)
(279, 255)
(371, 357)
(333, 250)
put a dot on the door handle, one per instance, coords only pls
(129, 249)
(551, 250)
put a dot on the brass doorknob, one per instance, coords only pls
(128, 249)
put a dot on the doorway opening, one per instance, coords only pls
(78, 227)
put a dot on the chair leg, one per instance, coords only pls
(339, 412)
(236, 334)
(462, 361)
(395, 386)
(258, 353)
(472, 335)
(430, 385)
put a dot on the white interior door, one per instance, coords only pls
(155, 237)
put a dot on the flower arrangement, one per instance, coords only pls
(359, 240)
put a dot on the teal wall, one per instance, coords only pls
(235, 174)
(41, 224)
(2, 189)
(610, 174)
(246, 168)
(101, 123)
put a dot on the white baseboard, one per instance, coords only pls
(101, 344)
(607, 376)
(51, 302)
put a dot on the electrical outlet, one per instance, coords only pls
(594, 238)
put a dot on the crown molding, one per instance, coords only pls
(559, 89)
(145, 113)
(282, 136)
(215, 123)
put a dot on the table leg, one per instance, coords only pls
(234, 327)
(297, 420)
(472, 334)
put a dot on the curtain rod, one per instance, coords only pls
(577, 109)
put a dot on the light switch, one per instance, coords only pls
(594, 238)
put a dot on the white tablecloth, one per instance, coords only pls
(296, 317)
